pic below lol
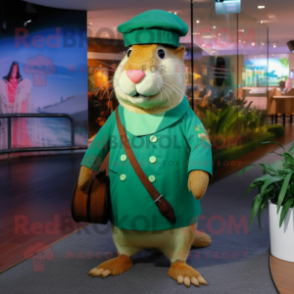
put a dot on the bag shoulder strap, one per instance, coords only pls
(164, 206)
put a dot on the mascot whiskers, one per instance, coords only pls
(168, 141)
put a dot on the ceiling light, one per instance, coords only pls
(214, 27)
(26, 22)
(261, 7)
(197, 21)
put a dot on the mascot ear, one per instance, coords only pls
(180, 52)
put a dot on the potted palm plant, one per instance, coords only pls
(276, 188)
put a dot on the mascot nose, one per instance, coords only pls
(135, 75)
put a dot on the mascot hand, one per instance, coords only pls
(198, 182)
(85, 178)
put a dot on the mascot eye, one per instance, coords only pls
(161, 53)
(129, 53)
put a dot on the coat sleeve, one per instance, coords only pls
(200, 147)
(100, 145)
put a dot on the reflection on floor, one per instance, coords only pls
(35, 204)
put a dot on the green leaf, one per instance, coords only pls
(277, 165)
(283, 190)
(255, 208)
(285, 210)
(257, 182)
(274, 142)
(252, 186)
(262, 206)
(245, 169)
(269, 181)
(277, 153)
(291, 148)
(267, 169)
(289, 159)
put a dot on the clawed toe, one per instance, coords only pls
(187, 281)
(201, 280)
(113, 267)
(106, 273)
(96, 272)
(195, 282)
(184, 274)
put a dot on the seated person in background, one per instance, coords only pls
(230, 97)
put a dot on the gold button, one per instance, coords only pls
(123, 157)
(151, 178)
(153, 139)
(122, 177)
(152, 159)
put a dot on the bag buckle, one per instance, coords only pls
(158, 198)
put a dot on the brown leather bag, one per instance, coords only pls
(95, 205)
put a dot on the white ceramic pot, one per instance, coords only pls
(282, 238)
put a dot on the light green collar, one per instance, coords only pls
(146, 124)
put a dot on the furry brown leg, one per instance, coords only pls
(183, 273)
(115, 266)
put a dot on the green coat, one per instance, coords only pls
(168, 146)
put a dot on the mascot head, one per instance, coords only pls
(151, 76)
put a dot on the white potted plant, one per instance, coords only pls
(276, 188)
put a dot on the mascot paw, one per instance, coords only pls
(115, 266)
(183, 273)
(198, 182)
(85, 178)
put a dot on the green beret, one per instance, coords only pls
(153, 27)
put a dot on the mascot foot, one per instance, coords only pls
(183, 273)
(201, 240)
(113, 267)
